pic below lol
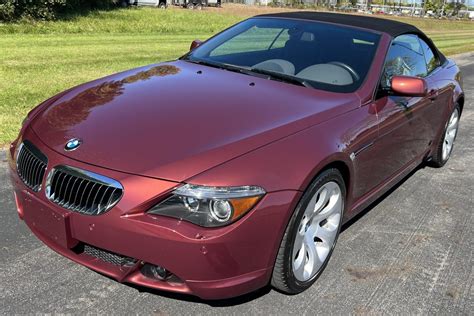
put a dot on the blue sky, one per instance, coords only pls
(470, 2)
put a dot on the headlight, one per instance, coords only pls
(209, 206)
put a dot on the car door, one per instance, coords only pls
(441, 90)
(404, 130)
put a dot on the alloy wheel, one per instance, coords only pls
(450, 134)
(317, 231)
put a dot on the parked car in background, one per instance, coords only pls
(467, 14)
(162, 4)
(288, 126)
(197, 4)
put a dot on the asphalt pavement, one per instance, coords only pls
(411, 252)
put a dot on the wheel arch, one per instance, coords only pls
(338, 161)
(343, 169)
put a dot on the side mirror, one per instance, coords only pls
(409, 86)
(195, 44)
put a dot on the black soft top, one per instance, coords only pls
(391, 27)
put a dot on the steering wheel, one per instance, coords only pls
(353, 73)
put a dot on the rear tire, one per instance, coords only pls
(311, 234)
(445, 144)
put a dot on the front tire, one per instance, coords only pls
(446, 142)
(311, 234)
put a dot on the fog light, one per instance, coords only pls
(19, 207)
(155, 272)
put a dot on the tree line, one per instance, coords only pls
(13, 10)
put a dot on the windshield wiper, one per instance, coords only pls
(252, 72)
(215, 65)
(282, 77)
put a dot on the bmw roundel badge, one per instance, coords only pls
(72, 144)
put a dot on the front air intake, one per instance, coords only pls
(31, 165)
(82, 191)
(107, 256)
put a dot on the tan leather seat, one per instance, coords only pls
(277, 65)
(327, 73)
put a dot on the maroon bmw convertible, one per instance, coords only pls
(235, 166)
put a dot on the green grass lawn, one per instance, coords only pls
(40, 60)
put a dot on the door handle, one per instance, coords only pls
(433, 94)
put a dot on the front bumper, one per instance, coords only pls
(209, 263)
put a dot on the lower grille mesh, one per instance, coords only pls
(109, 257)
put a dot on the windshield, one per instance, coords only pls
(312, 54)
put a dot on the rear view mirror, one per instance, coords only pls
(195, 44)
(409, 86)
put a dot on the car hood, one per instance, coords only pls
(175, 120)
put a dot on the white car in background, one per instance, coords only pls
(162, 4)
